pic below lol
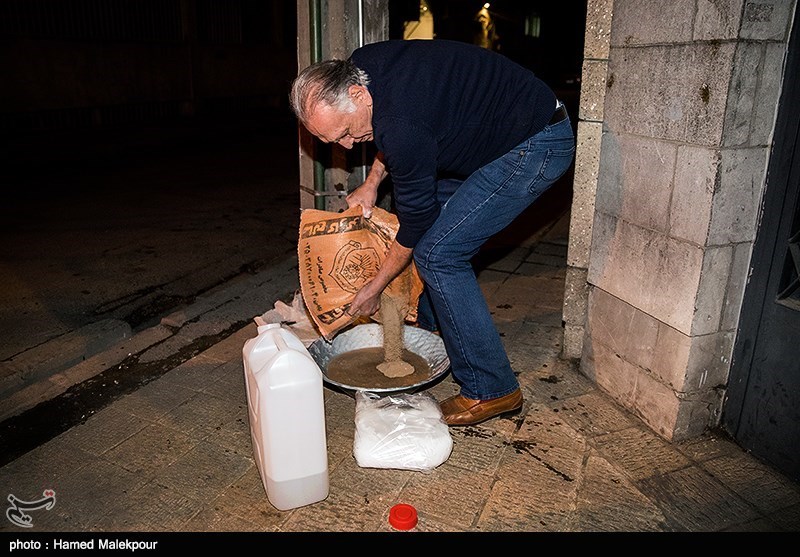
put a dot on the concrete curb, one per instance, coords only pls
(221, 311)
(60, 353)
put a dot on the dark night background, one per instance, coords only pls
(112, 64)
(150, 156)
(150, 153)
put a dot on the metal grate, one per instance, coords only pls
(219, 22)
(235, 21)
(94, 117)
(122, 20)
(789, 289)
(790, 283)
(49, 24)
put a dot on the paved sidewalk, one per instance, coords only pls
(135, 223)
(175, 455)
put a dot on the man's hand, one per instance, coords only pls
(367, 193)
(367, 301)
(365, 196)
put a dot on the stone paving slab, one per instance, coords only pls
(175, 455)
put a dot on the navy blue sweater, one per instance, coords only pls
(445, 107)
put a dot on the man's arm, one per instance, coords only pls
(368, 300)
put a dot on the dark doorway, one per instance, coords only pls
(762, 411)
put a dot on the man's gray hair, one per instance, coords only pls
(327, 83)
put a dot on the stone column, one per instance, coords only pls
(343, 25)
(587, 163)
(692, 89)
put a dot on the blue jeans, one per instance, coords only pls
(472, 211)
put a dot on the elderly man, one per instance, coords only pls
(470, 140)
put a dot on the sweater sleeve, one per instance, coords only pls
(410, 151)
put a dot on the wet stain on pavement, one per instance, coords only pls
(473, 432)
(525, 447)
(22, 433)
(161, 305)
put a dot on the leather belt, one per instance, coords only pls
(559, 115)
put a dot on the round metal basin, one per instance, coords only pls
(419, 341)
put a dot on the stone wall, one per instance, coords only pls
(680, 135)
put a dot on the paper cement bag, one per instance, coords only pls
(338, 253)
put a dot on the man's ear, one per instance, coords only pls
(359, 93)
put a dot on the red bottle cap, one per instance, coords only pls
(403, 517)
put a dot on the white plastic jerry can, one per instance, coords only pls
(287, 417)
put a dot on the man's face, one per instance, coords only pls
(344, 128)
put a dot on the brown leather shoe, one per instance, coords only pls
(460, 410)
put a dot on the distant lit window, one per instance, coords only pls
(421, 28)
(486, 35)
(533, 25)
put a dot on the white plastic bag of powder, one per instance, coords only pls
(403, 431)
